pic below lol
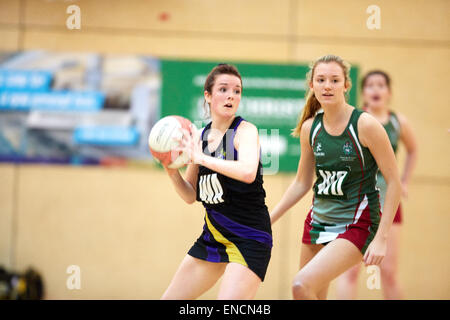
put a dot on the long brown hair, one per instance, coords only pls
(312, 105)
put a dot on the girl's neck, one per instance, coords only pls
(334, 114)
(220, 123)
(379, 113)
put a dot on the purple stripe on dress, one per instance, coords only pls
(203, 132)
(241, 230)
(213, 253)
(237, 124)
(232, 138)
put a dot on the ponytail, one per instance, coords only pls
(309, 111)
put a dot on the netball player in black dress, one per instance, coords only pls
(225, 175)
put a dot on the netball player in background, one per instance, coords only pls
(376, 93)
(345, 147)
(226, 176)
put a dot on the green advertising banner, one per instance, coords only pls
(272, 99)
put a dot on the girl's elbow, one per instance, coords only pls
(303, 182)
(397, 183)
(249, 176)
(190, 200)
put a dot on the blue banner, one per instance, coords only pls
(51, 101)
(25, 80)
(106, 136)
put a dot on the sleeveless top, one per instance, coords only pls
(240, 201)
(392, 128)
(346, 174)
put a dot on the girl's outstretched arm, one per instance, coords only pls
(304, 178)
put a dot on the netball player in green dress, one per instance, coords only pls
(344, 147)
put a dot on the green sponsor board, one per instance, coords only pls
(272, 99)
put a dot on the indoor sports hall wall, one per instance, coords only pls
(127, 229)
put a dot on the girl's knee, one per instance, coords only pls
(301, 288)
(388, 276)
(351, 275)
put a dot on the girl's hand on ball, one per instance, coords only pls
(169, 171)
(191, 145)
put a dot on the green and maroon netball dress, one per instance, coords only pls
(346, 201)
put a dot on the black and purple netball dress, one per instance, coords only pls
(237, 222)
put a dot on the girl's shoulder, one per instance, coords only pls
(366, 121)
(401, 118)
(308, 123)
(368, 128)
(246, 126)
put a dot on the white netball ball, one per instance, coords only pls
(161, 141)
